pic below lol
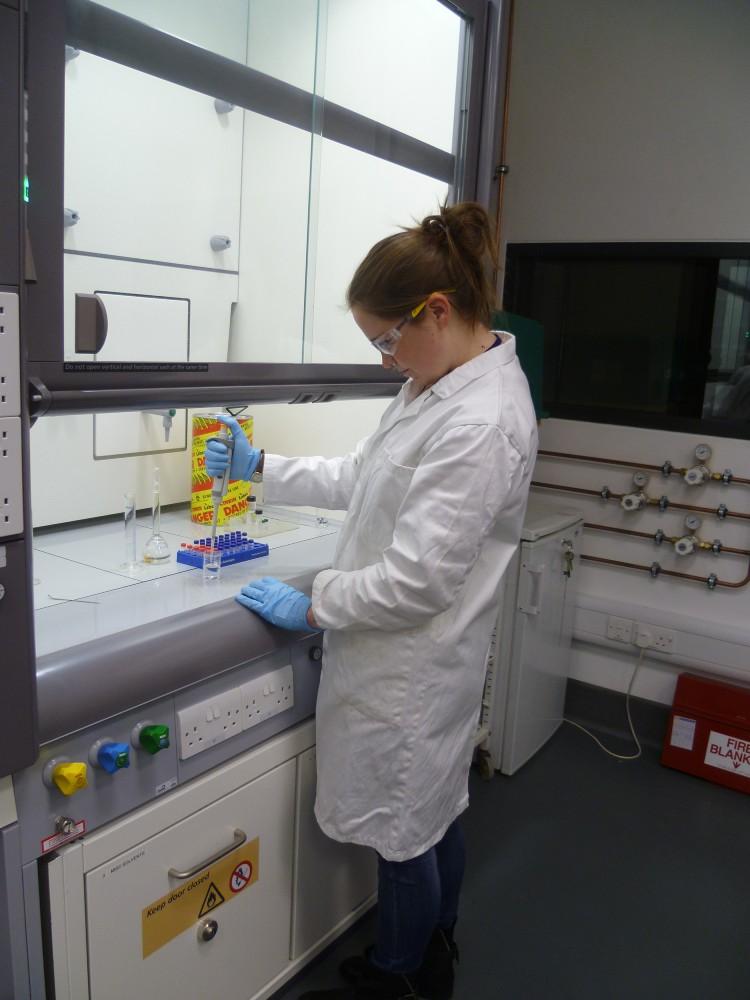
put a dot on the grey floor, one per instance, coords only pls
(595, 879)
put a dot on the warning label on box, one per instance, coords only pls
(729, 753)
(683, 733)
(209, 889)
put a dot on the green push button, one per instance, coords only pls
(154, 738)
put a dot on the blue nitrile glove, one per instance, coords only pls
(277, 602)
(245, 458)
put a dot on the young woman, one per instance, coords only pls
(435, 499)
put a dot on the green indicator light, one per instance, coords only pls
(26, 189)
(122, 760)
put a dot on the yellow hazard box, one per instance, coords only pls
(234, 504)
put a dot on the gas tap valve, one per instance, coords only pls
(633, 501)
(716, 546)
(659, 537)
(696, 476)
(685, 546)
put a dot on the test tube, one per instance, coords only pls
(129, 512)
(211, 565)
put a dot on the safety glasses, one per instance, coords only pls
(387, 342)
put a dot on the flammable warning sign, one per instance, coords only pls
(181, 908)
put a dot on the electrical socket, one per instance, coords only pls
(209, 722)
(11, 470)
(266, 696)
(11, 494)
(619, 629)
(10, 361)
(653, 637)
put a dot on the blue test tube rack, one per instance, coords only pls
(234, 547)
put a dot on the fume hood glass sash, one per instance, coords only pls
(130, 43)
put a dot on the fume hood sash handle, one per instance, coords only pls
(239, 838)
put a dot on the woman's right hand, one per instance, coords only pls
(244, 459)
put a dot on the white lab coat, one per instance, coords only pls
(436, 499)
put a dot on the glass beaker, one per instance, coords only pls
(211, 565)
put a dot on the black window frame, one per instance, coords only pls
(516, 296)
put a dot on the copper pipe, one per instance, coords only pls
(666, 572)
(620, 531)
(629, 465)
(645, 534)
(703, 510)
(574, 489)
(602, 461)
(618, 496)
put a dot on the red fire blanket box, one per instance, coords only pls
(709, 731)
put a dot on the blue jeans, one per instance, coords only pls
(415, 897)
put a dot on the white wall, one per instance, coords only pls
(629, 121)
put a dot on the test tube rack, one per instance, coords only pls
(234, 547)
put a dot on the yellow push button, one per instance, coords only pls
(70, 777)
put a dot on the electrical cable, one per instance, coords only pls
(619, 756)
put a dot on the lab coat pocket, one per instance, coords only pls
(384, 493)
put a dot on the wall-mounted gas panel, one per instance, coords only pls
(85, 780)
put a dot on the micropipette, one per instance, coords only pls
(220, 483)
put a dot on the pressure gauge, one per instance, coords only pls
(703, 452)
(692, 522)
(640, 479)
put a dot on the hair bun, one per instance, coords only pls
(435, 226)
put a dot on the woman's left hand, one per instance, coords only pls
(278, 603)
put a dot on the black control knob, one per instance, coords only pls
(316, 653)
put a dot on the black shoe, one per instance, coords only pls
(374, 985)
(435, 975)
(434, 979)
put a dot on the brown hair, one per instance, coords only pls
(452, 250)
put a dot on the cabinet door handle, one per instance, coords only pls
(529, 601)
(239, 838)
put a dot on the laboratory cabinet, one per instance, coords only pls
(529, 656)
(348, 872)
(227, 898)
